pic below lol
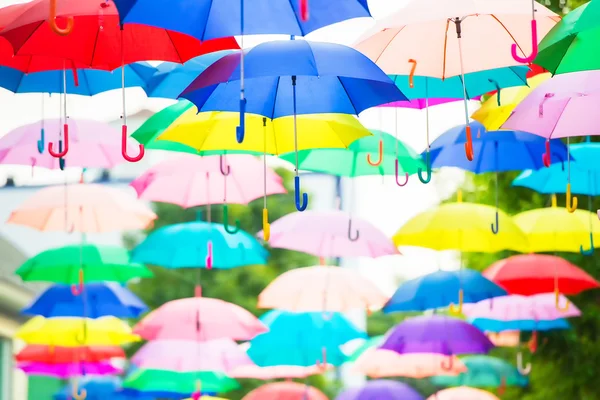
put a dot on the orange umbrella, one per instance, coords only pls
(380, 363)
(285, 391)
(462, 393)
(321, 288)
(505, 339)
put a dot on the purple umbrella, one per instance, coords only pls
(381, 389)
(64, 371)
(436, 334)
(420, 104)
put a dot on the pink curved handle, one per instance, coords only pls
(534, 46)
(209, 255)
(65, 148)
(124, 147)
(405, 177)
(547, 156)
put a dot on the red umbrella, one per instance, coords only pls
(30, 64)
(64, 355)
(285, 391)
(529, 274)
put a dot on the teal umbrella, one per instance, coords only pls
(484, 372)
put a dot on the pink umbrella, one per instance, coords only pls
(86, 208)
(329, 234)
(199, 319)
(92, 144)
(64, 371)
(380, 363)
(222, 355)
(275, 372)
(539, 307)
(285, 391)
(327, 289)
(462, 393)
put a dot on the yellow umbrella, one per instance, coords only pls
(492, 115)
(75, 332)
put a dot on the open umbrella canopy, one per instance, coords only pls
(484, 372)
(379, 363)
(285, 391)
(66, 371)
(370, 344)
(96, 387)
(152, 381)
(274, 372)
(493, 325)
(67, 355)
(380, 389)
(462, 393)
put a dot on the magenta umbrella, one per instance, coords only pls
(221, 355)
(91, 144)
(64, 371)
(330, 234)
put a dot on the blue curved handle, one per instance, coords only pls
(591, 250)
(496, 228)
(300, 207)
(240, 131)
(41, 144)
(228, 229)
(420, 170)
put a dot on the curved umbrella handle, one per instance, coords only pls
(449, 366)
(124, 147)
(224, 171)
(350, 237)
(547, 156)
(571, 200)
(240, 131)
(52, 21)
(209, 255)
(228, 229)
(304, 10)
(62, 151)
(534, 46)
(77, 289)
(76, 393)
(502, 387)
(469, 144)
(420, 170)
(591, 250)
(82, 340)
(300, 206)
(266, 225)
(41, 143)
(522, 371)
(196, 395)
(405, 177)
(493, 82)
(458, 309)
(322, 365)
(376, 164)
(557, 302)
(496, 228)
(411, 77)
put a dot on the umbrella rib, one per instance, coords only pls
(509, 34)
(356, 112)
(388, 43)
(174, 46)
(275, 100)
(96, 46)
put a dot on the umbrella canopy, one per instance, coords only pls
(190, 181)
(436, 334)
(285, 391)
(381, 389)
(352, 162)
(505, 338)
(96, 388)
(90, 208)
(74, 332)
(219, 355)
(158, 383)
(462, 393)
(370, 344)
(484, 372)
(539, 307)
(529, 274)
(65, 371)
(419, 104)
(185, 246)
(379, 363)
(282, 77)
(98, 263)
(329, 234)
(200, 319)
(274, 372)
(303, 339)
(321, 288)
(101, 300)
(68, 355)
(104, 44)
(441, 289)
(492, 325)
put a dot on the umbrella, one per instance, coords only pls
(66, 355)
(329, 234)
(321, 288)
(378, 363)
(64, 371)
(462, 393)
(99, 263)
(303, 339)
(285, 391)
(96, 388)
(380, 389)
(74, 332)
(484, 372)
(158, 383)
(505, 338)
(419, 104)
(368, 345)
(436, 334)
(219, 355)
(102, 299)
(530, 274)
(200, 319)
(441, 289)
(492, 325)
(90, 208)
(274, 372)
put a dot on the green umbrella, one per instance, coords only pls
(352, 162)
(373, 342)
(572, 45)
(484, 372)
(99, 263)
(152, 380)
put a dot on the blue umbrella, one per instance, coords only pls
(302, 339)
(496, 151)
(102, 299)
(492, 325)
(185, 245)
(98, 388)
(132, 394)
(440, 289)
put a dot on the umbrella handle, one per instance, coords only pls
(124, 147)
(376, 164)
(322, 365)
(76, 392)
(493, 82)
(41, 143)
(304, 10)
(458, 309)
(534, 46)
(547, 156)
(240, 131)
(196, 395)
(411, 76)
(591, 250)
(209, 255)
(527, 369)
(224, 171)
(571, 200)
(300, 206)
(62, 151)
(266, 225)
(469, 144)
(450, 364)
(533, 342)
(52, 21)
(405, 177)
(557, 302)
(496, 228)
(420, 170)
(77, 289)
(502, 387)
(228, 229)
(352, 238)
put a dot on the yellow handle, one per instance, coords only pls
(571, 200)
(266, 225)
(557, 302)
(76, 393)
(554, 201)
(453, 308)
(52, 21)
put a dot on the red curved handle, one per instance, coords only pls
(78, 288)
(534, 46)
(304, 10)
(469, 144)
(377, 163)
(65, 148)
(547, 156)
(124, 147)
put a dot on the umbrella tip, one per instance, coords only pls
(198, 291)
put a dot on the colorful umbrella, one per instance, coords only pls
(99, 263)
(154, 383)
(329, 234)
(200, 319)
(321, 288)
(65, 371)
(285, 391)
(441, 289)
(530, 274)
(505, 338)
(274, 372)
(436, 334)
(66, 355)
(95, 387)
(379, 363)
(75, 332)
(219, 355)
(90, 208)
(101, 300)
(381, 389)
(492, 325)
(370, 344)
(462, 393)
(419, 104)
(303, 339)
